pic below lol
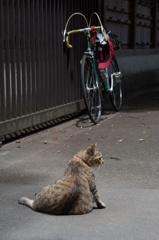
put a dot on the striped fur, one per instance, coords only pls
(75, 192)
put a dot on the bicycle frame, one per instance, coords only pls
(107, 87)
(91, 54)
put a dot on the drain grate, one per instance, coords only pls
(31, 130)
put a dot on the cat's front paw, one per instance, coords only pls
(101, 205)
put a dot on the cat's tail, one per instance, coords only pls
(26, 201)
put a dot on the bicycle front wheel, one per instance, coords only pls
(115, 83)
(91, 88)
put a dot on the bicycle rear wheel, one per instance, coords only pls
(115, 83)
(91, 89)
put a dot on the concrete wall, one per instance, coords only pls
(139, 71)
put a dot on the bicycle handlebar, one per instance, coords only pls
(82, 30)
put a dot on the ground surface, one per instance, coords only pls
(128, 182)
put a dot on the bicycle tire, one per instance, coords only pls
(116, 93)
(91, 89)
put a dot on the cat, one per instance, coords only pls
(75, 192)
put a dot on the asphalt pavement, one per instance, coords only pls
(128, 182)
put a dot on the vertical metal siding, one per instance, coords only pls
(38, 75)
(157, 37)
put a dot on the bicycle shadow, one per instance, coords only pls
(84, 121)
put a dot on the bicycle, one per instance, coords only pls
(99, 70)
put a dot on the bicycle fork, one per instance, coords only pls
(94, 74)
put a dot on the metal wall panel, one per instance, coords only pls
(38, 75)
(157, 37)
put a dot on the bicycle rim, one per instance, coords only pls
(91, 89)
(116, 94)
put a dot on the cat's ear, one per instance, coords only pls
(91, 149)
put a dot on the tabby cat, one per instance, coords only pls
(75, 192)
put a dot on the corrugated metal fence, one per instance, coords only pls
(39, 77)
